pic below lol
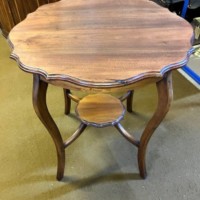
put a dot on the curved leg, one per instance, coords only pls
(129, 102)
(67, 101)
(165, 95)
(127, 135)
(77, 133)
(39, 103)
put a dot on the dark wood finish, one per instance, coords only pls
(20, 8)
(14, 11)
(102, 46)
(129, 102)
(67, 101)
(40, 106)
(165, 96)
(39, 103)
(6, 19)
(125, 96)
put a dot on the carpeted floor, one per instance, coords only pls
(100, 164)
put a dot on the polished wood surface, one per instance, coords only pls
(40, 107)
(101, 46)
(101, 43)
(165, 97)
(100, 110)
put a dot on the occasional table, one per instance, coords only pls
(101, 47)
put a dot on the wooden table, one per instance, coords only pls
(101, 46)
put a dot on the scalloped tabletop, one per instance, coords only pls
(101, 42)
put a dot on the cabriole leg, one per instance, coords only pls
(39, 103)
(165, 95)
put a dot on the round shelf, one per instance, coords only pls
(100, 110)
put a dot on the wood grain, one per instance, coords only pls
(14, 11)
(100, 110)
(40, 107)
(6, 19)
(101, 46)
(101, 43)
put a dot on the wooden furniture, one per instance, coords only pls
(14, 11)
(100, 110)
(101, 46)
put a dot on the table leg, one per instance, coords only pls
(67, 101)
(39, 103)
(165, 96)
(129, 102)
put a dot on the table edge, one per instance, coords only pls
(108, 84)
